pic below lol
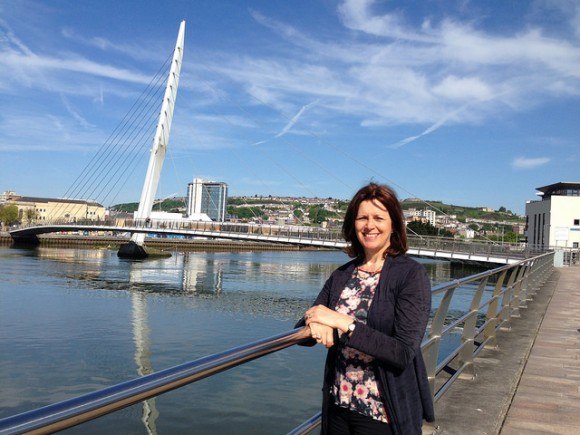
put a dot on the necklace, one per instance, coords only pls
(372, 268)
(376, 272)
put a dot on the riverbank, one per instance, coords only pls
(166, 244)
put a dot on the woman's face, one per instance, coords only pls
(373, 227)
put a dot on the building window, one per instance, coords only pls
(576, 222)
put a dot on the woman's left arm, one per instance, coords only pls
(412, 309)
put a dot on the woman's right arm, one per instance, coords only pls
(323, 298)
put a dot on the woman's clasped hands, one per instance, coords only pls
(322, 322)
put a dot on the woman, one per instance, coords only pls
(371, 314)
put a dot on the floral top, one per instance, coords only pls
(355, 386)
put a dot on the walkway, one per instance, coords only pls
(530, 382)
(547, 399)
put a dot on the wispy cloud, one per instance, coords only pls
(413, 74)
(74, 113)
(295, 119)
(30, 63)
(429, 130)
(523, 163)
(67, 72)
(23, 132)
(140, 52)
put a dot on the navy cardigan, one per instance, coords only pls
(395, 328)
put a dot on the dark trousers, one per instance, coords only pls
(342, 421)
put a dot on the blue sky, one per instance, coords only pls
(471, 103)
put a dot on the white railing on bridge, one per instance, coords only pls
(420, 246)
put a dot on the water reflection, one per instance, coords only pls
(143, 356)
(201, 274)
(441, 271)
(95, 256)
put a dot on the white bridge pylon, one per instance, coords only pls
(161, 139)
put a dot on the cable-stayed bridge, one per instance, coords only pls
(311, 237)
(114, 164)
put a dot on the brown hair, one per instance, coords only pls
(388, 198)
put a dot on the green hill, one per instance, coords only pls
(462, 212)
(174, 205)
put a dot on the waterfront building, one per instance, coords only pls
(207, 197)
(469, 233)
(35, 209)
(429, 215)
(411, 213)
(554, 221)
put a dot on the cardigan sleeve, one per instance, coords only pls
(411, 313)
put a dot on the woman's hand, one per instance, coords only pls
(326, 316)
(323, 334)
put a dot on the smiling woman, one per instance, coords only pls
(371, 314)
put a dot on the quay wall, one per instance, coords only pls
(167, 244)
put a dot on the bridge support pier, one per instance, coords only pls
(134, 251)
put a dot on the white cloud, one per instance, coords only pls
(357, 15)
(32, 63)
(529, 163)
(23, 132)
(463, 88)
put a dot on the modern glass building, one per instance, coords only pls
(207, 197)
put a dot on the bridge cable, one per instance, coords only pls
(105, 154)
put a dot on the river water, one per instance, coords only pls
(76, 320)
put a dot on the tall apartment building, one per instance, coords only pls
(429, 215)
(207, 197)
(554, 221)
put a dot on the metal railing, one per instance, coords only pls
(78, 410)
(511, 287)
(475, 247)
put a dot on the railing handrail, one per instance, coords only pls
(74, 411)
(78, 410)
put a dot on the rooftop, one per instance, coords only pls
(562, 188)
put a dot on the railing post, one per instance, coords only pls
(431, 350)
(468, 336)
(515, 297)
(491, 319)
(526, 284)
(505, 313)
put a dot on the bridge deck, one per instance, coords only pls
(547, 399)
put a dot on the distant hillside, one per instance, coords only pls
(462, 212)
(170, 205)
